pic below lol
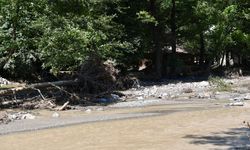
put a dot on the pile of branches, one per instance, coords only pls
(96, 76)
(95, 79)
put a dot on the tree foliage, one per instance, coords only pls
(60, 35)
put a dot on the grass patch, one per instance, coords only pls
(219, 84)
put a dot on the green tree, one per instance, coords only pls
(19, 35)
(75, 34)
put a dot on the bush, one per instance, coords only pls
(219, 84)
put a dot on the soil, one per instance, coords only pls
(194, 128)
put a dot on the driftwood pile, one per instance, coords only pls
(33, 96)
(94, 78)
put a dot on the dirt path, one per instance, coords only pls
(219, 128)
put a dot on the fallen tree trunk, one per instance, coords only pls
(36, 86)
(50, 84)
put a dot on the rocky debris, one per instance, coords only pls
(4, 81)
(55, 115)
(242, 90)
(88, 111)
(110, 98)
(187, 91)
(168, 90)
(6, 117)
(140, 98)
(21, 116)
(238, 99)
(237, 104)
(247, 97)
(99, 109)
(28, 116)
(203, 95)
(138, 103)
(225, 95)
(150, 93)
(126, 82)
(43, 104)
(115, 97)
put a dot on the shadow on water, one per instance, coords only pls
(234, 139)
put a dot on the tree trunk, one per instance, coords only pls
(173, 32)
(15, 20)
(223, 58)
(202, 49)
(227, 58)
(155, 30)
(240, 60)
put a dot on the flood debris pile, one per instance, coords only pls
(167, 90)
(7, 117)
(236, 91)
(96, 76)
(95, 83)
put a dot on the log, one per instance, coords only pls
(31, 87)
(50, 84)
(64, 106)
(6, 103)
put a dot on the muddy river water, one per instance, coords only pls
(180, 126)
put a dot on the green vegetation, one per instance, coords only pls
(60, 35)
(219, 84)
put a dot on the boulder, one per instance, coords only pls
(55, 115)
(237, 104)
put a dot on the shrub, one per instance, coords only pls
(219, 84)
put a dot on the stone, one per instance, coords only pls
(88, 111)
(247, 97)
(172, 96)
(3, 115)
(204, 84)
(238, 99)
(237, 104)
(100, 109)
(115, 97)
(223, 96)
(20, 116)
(55, 115)
(13, 117)
(188, 90)
(140, 98)
(203, 95)
(242, 90)
(4, 81)
(104, 100)
(4, 118)
(28, 117)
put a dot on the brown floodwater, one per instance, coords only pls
(203, 128)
